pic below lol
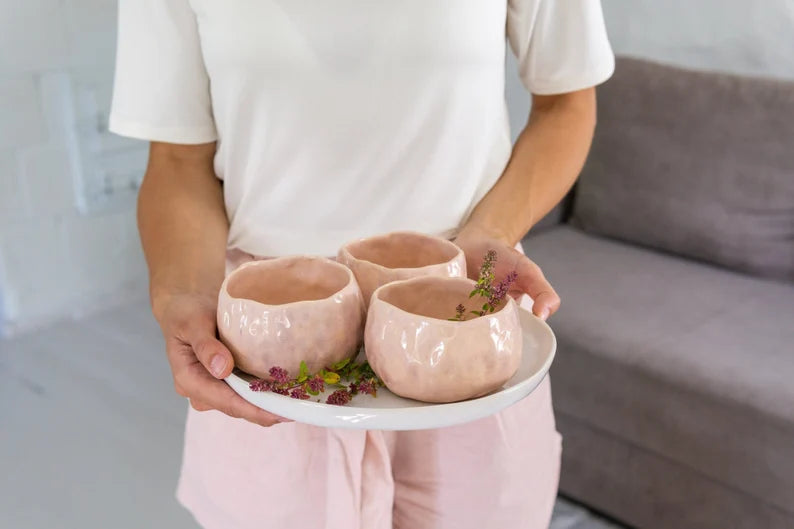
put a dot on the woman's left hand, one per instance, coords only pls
(531, 281)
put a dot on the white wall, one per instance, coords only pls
(738, 36)
(56, 63)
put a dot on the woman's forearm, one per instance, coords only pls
(546, 160)
(182, 222)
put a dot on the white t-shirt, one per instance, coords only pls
(339, 119)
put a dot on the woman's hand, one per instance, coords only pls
(198, 360)
(476, 243)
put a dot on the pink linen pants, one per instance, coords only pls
(500, 471)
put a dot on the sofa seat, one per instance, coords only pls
(681, 361)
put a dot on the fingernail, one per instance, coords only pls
(217, 365)
(544, 315)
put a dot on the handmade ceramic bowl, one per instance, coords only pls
(277, 312)
(420, 354)
(382, 259)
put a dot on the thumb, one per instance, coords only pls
(212, 354)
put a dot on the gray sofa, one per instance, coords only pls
(674, 257)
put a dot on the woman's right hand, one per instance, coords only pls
(199, 361)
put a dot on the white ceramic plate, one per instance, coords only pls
(387, 411)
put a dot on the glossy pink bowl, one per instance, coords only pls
(420, 354)
(382, 259)
(284, 310)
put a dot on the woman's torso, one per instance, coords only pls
(348, 118)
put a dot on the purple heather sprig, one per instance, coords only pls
(360, 376)
(486, 276)
(299, 393)
(316, 384)
(501, 289)
(368, 387)
(280, 376)
(340, 397)
(261, 384)
(486, 269)
(460, 310)
(493, 295)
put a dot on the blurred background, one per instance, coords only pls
(90, 429)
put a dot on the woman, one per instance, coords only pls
(293, 126)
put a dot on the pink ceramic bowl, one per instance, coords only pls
(284, 310)
(420, 354)
(382, 259)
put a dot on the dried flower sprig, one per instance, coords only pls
(485, 288)
(359, 376)
(499, 292)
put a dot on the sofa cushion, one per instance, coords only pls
(698, 164)
(683, 359)
(648, 490)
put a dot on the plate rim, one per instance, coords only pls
(504, 395)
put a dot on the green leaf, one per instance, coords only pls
(365, 372)
(341, 364)
(485, 307)
(304, 370)
(473, 293)
(331, 378)
(310, 391)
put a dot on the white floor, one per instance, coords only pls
(90, 429)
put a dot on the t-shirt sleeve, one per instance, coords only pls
(161, 90)
(560, 45)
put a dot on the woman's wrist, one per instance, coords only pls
(480, 230)
(162, 297)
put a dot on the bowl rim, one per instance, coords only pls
(345, 251)
(511, 302)
(351, 279)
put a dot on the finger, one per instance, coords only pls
(216, 394)
(546, 304)
(213, 355)
(532, 282)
